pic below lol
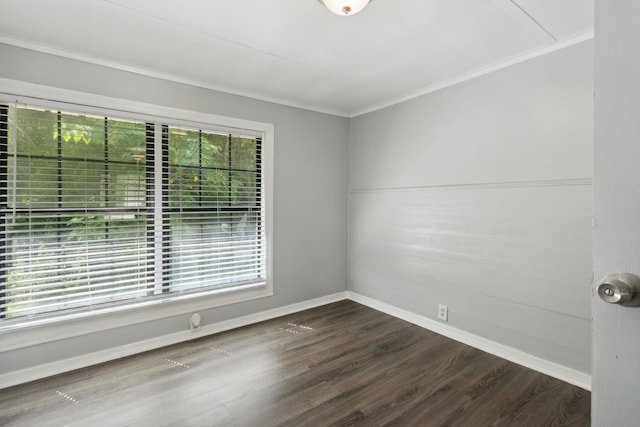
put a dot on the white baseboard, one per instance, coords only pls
(58, 367)
(563, 373)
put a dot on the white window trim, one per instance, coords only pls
(25, 332)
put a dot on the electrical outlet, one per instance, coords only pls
(195, 321)
(443, 312)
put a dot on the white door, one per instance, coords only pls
(616, 232)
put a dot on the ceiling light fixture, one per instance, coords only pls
(345, 7)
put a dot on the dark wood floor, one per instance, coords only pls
(338, 365)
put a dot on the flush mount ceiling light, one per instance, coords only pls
(345, 7)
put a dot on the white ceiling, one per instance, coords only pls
(296, 52)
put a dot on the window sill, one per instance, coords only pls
(21, 333)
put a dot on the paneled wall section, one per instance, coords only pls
(479, 197)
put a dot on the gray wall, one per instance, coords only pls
(309, 240)
(478, 196)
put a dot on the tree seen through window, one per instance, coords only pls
(79, 210)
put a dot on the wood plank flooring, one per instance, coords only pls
(342, 364)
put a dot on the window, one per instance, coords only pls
(100, 209)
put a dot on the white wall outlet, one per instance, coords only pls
(195, 321)
(443, 312)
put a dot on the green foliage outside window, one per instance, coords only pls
(77, 214)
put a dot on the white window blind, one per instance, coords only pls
(215, 214)
(83, 222)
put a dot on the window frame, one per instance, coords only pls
(160, 306)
